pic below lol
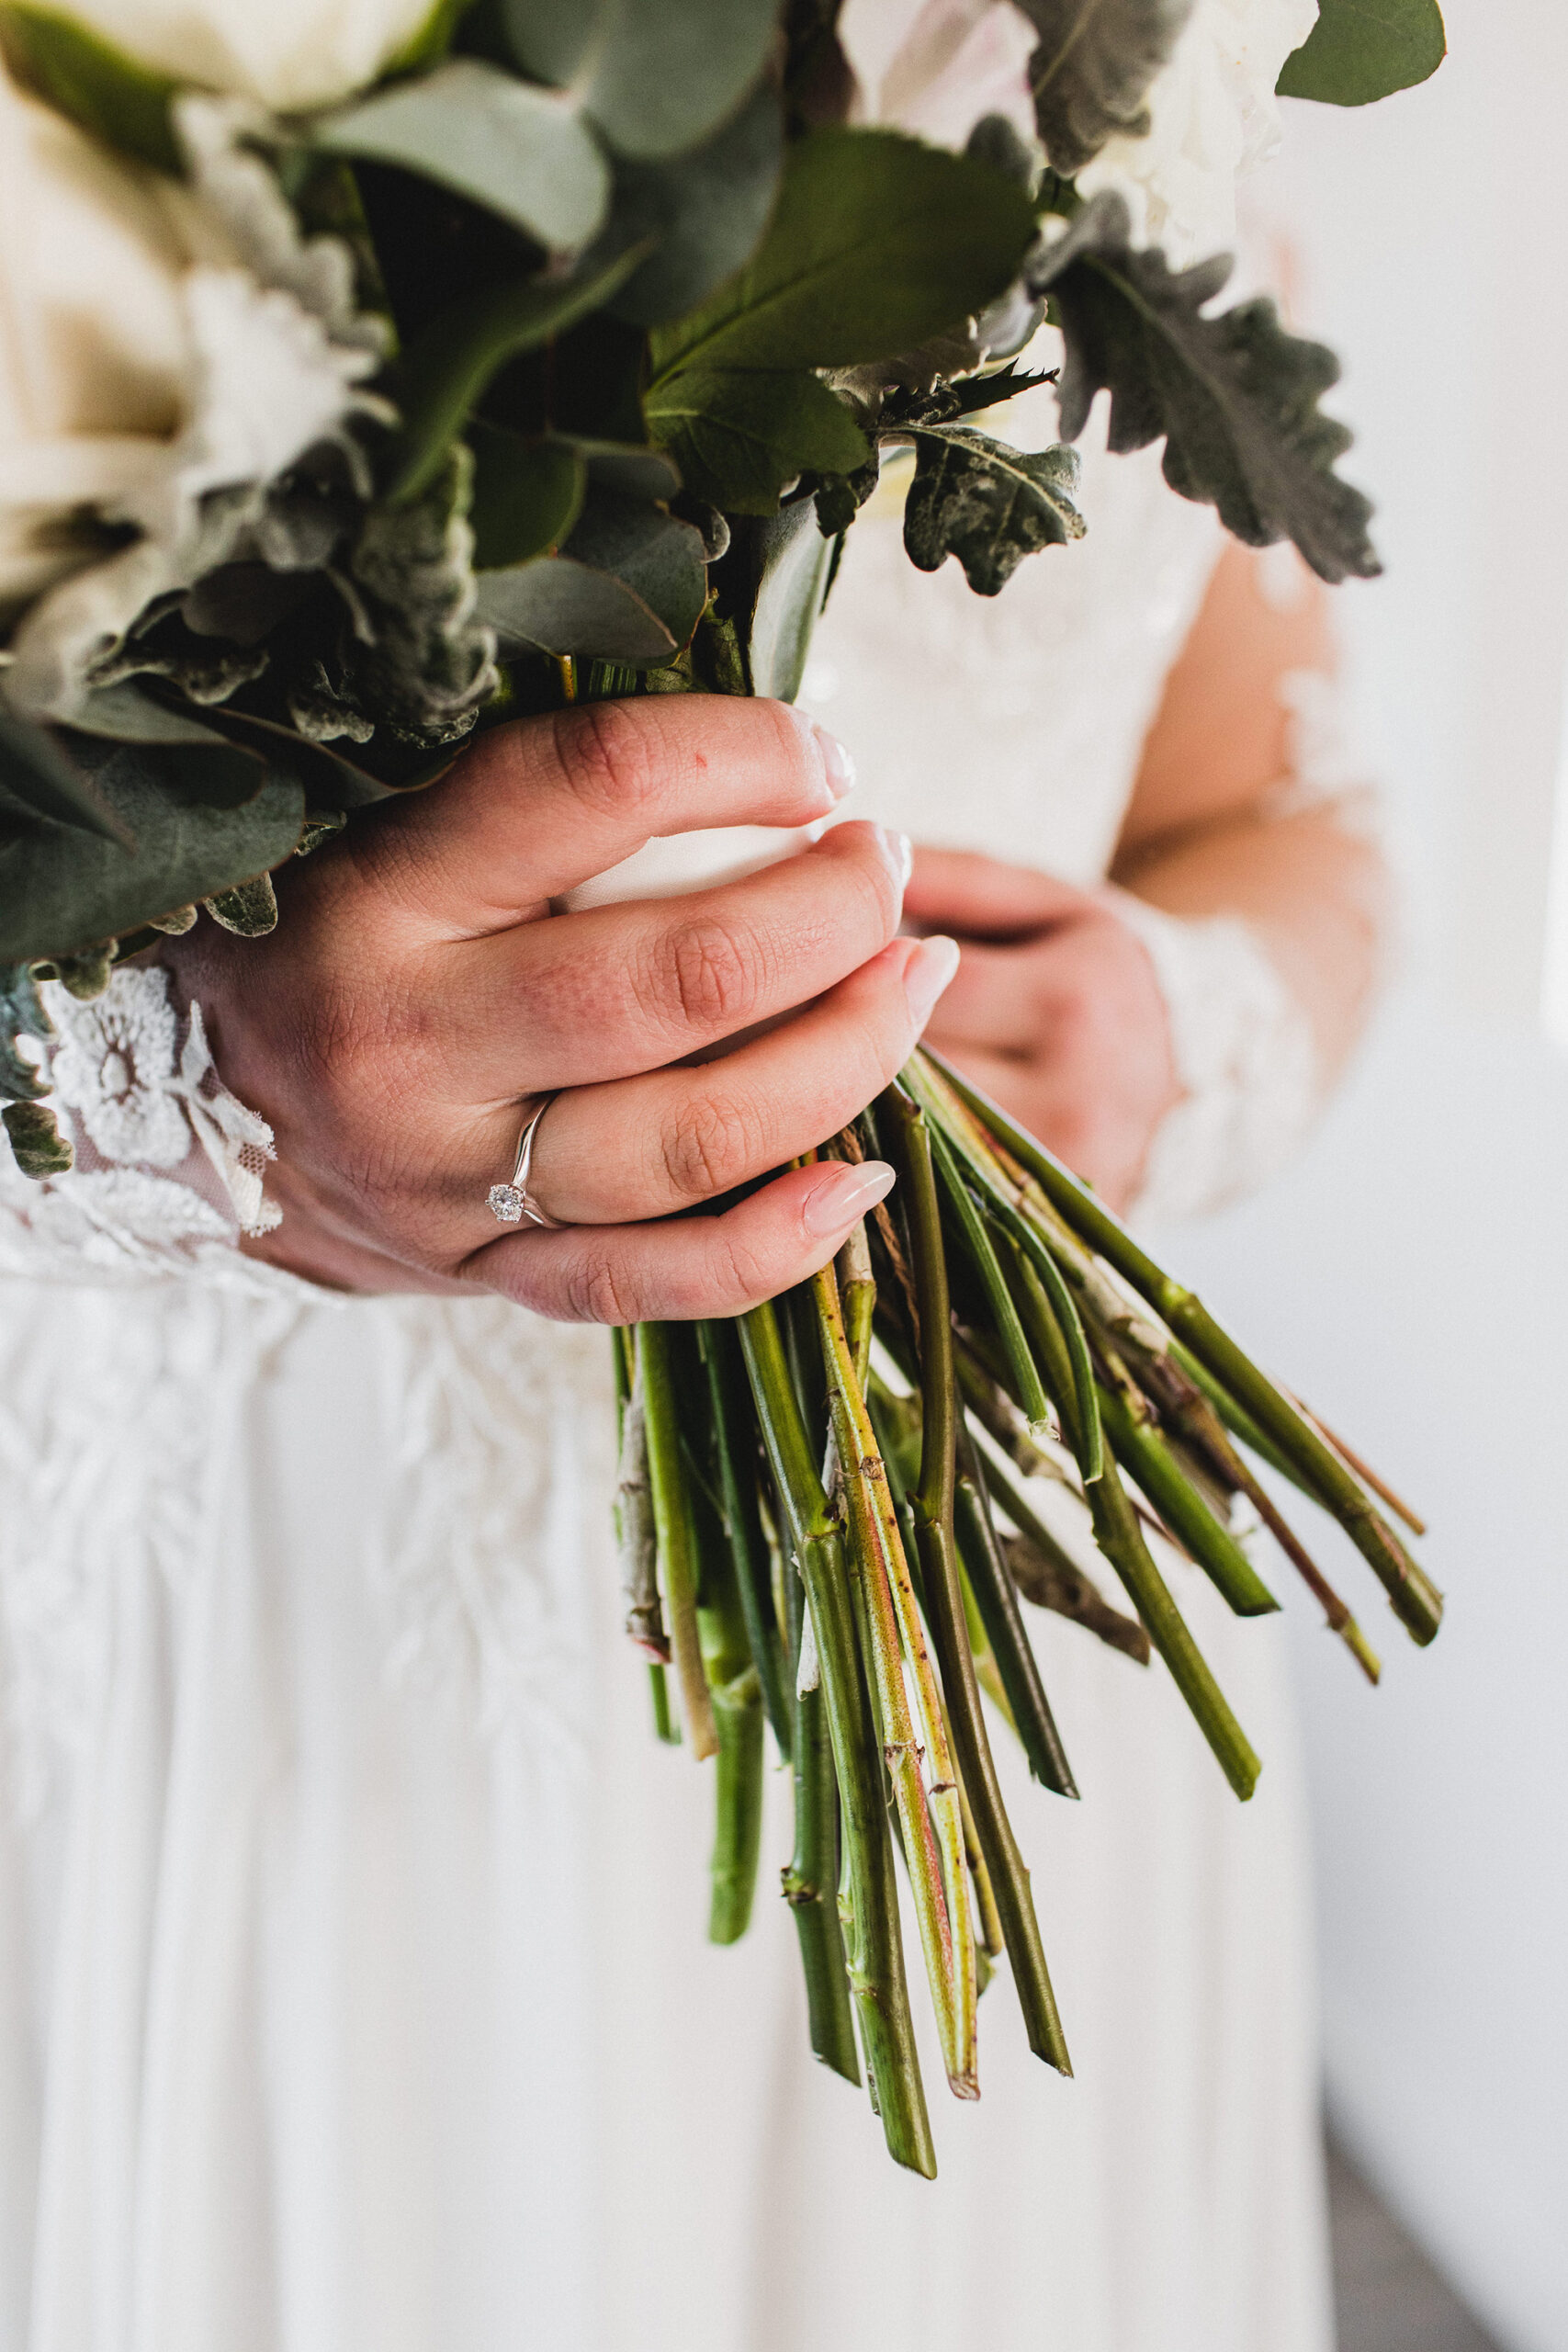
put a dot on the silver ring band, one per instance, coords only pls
(510, 1204)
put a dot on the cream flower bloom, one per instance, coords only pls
(1213, 118)
(282, 53)
(146, 361)
(934, 67)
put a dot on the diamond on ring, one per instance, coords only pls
(505, 1202)
(510, 1203)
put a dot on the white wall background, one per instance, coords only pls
(1411, 1275)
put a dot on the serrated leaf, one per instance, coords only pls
(876, 242)
(523, 152)
(84, 76)
(739, 436)
(37, 1144)
(1360, 50)
(556, 606)
(448, 367)
(526, 497)
(701, 213)
(61, 893)
(1235, 396)
(655, 76)
(1092, 69)
(658, 558)
(987, 503)
(21, 1015)
(36, 775)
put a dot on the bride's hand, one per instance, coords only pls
(1055, 1010)
(418, 993)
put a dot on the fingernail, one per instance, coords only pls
(844, 1195)
(837, 763)
(927, 973)
(898, 850)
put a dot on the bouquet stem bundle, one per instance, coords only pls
(834, 1541)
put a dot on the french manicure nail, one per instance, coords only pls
(838, 765)
(847, 1194)
(927, 973)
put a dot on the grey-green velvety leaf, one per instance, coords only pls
(35, 774)
(988, 504)
(447, 369)
(794, 559)
(526, 154)
(127, 715)
(653, 554)
(1363, 49)
(703, 212)
(876, 242)
(1235, 396)
(61, 893)
(556, 606)
(21, 1015)
(84, 76)
(655, 76)
(1092, 70)
(527, 494)
(739, 436)
(622, 465)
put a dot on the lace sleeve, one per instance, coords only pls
(167, 1165)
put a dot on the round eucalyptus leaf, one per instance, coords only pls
(655, 76)
(658, 558)
(558, 605)
(703, 212)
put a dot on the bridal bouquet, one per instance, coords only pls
(371, 376)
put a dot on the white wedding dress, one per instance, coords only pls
(353, 1995)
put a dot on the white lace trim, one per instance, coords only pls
(169, 1165)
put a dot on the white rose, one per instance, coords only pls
(1213, 117)
(143, 364)
(934, 67)
(283, 53)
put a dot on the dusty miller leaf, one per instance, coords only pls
(987, 503)
(38, 1147)
(1092, 69)
(21, 1015)
(1235, 396)
(1362, 50)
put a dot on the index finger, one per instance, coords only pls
(539, 806)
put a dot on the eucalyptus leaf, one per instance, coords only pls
(1092, 69)
(795, 559)
(524, 152)
(21, 1015)
(634, 471)
(876, 242)
(655, 76)
(127, 714)
(36, 775)
(84, 76)
(1363, 49)
(1235, 396)
(558, 605)
(658, 558)
(702, 213)
(740, 436)
(987, 503)
(527, 494)
(450, 365)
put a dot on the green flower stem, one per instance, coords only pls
(1026, 1386)
(875, 1938)
(665, 1726)
(677, 1539)
(810, 1886)
(1073, 1592)
(736, 1696)
(1119, 1536)
(932, 1507)
(940, 1886)
(1417, 1601)
(857, 1292)
(1144, 1455)
(1000, 1613)
(729, 1400)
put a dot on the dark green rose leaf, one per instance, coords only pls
(60, 892)
(1093, 67)
(38, 780)
(655, 76)
(876, 242)
(526, 154)
(556, 606)
(1235, 396)
(1362, 50)
(446, 371)
(21, 1015)
(740, 436)
(988, 504)
(702, 213)
(527, 495)
(649, 551)
(84, 76)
